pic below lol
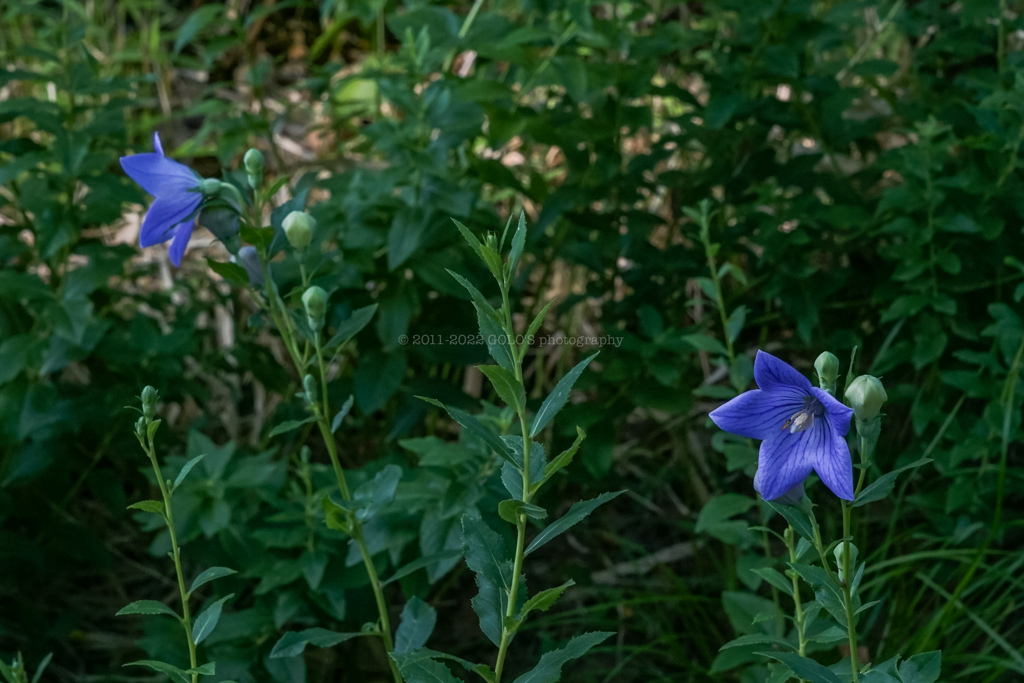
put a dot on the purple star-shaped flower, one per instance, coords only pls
(172, 215)
(801, 427)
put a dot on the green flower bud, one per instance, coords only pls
(866, 396)
(315, 303)
(254, 162)
(298, 228)
(140, 429)
(210, 187)
(149, 398)
(309, 385)
(827, 367)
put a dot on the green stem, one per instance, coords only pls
(517, 565)
(323, 413)
(186, 618)
(847, 594)
(798, 611)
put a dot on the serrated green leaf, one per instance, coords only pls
(549, 668)
(508, 387)
(542, 602)
(557, 398)
(146, 607)
(473, 425)
(576, 514)
(563, 459)
(154, 506)
(804, 668)
(923, 668)
(211, 574)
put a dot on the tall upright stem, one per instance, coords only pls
(848, 594)
(517, 564)
(323, 417)
(175, 555)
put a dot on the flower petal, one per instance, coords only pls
(786, 459)
(156, 143)
(757, 414)
(166, 214)
(833, 462)
(158, 175)
(770, 373)
(180, 241)
(839, 413)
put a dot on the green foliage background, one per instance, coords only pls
(863, 159)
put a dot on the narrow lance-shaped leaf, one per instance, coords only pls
(474, 426)
(345, 409)
(881, 487)
(509, 388)
(293, 643)
(154, 506)
(562, 460)
(351, 326)
(518, 245)
(554, 402)
(549, 668)
(174, 672)
(207, 620)
(576, 514)
(147, 607)
(186, 469)
(543, 601)
(807, 669)
(211, 574)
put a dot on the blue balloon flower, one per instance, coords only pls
(172, 215)
(802, 429)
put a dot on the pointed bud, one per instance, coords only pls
(315, 303)
(149, 398)
(827, 367)
(298, 228)
(140, 428)
(866, 396)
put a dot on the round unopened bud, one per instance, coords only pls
(298, 228)
(210, 187)
(827, 367)
(254, 162)
(315, 302)
(149, 398)
(866, 396)
(140, 428)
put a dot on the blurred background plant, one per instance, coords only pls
(863, 162)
